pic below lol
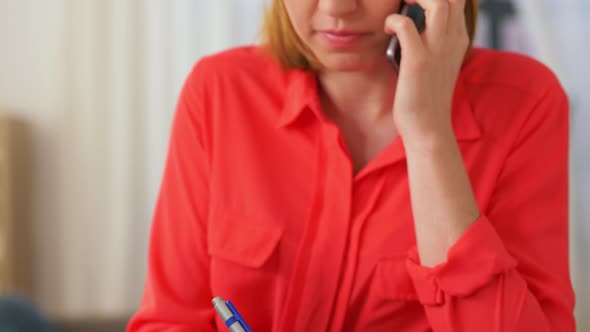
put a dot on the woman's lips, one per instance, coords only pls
(342, 39)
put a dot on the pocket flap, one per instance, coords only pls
(393, 280)
(241, 239)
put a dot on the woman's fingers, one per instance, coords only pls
(407, 33)
(446, 30)
(457, 16)
(437, 16)
(443, 17)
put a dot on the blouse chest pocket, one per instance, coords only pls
(392, 281)
(242, 240)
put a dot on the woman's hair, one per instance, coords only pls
(280, 38)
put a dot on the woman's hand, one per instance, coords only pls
(429, 68)
(443, 203)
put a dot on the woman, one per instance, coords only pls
(319, 190)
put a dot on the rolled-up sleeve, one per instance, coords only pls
(510, 270)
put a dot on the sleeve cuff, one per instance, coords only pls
(478, 256)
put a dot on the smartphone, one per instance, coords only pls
(414, 12)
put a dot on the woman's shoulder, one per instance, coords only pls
(508, 90)
(243, 85)
(508, 70)
(244, 65)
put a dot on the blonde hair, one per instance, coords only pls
(279, 37)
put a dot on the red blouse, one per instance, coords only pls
(259, 204)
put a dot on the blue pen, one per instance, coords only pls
(230, 315)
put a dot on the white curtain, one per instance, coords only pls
(560, 31)
(97, 81)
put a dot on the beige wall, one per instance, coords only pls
(6, 252)
(31, 96)
(15, 206)
(95, 82)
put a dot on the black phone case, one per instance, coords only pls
(416, 14)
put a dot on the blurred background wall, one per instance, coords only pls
(92, 84)
(95, 83)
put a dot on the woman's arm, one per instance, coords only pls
(177, 294)
(508, 269)
(443, 203)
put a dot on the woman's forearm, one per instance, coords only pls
(443, 203)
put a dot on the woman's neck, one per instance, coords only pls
(363, 97)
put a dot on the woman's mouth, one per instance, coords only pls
(343, 39)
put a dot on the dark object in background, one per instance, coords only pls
(19, 315)
(497, 11)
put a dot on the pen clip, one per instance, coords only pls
(238, 317)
